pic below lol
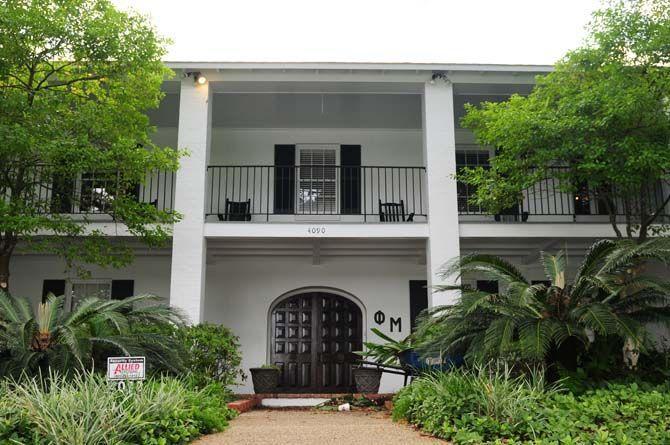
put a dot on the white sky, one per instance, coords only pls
(447, 31)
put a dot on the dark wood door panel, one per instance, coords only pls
(292, 344)
(314, 336)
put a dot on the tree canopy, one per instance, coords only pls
(76, 80)
(603, 114)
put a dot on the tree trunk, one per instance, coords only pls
(4, 271)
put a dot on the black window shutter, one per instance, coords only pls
(122, 289)
(350, 179)
(284, 195)
(418, 299)
(56, 287)
(490, 286)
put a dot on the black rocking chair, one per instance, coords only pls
(393, 212)
(236, 211)
(511, 214)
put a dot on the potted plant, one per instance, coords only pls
(367, 379)
(265, 378)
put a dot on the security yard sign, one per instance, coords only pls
(126, 368)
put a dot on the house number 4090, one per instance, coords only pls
(316, 230)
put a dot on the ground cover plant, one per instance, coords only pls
(492, 406)
(85, 409)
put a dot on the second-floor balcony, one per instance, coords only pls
(93, 193)
(271, 193)
(549, 201)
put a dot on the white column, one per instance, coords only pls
(187, 280)
(439, 151)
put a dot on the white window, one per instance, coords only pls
(89, 288)
(317, 179)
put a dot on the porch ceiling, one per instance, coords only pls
(316, 110)
(318, 87)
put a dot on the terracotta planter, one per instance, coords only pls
(367, 380)
(265, 380)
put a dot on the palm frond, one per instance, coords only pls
(554, 268)
(628, 253)
(66, 335)
(637, 284)
(499, 335)
(597, 317)
(82, 313)
(115, 342)
(594, 257)
(12, 310)
(489, 266)
(535, 338)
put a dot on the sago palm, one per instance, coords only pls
(612, 294)
(50, 337)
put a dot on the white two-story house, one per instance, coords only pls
(318, 202)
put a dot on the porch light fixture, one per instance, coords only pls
(198, 78)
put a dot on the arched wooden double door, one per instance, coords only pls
(314, 336)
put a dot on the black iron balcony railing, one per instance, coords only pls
(94, 193)
(265, 192)
(547, 198)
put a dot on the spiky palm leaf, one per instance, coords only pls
(489, 266)
(53, 337)
(554, 268)
(610, 295)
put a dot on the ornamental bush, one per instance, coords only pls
(86, 410)
(213, 352)
(480, 407)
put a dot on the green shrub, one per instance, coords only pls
(213, 354)
(610, 298)
(472, 405)
(34, 339)
(482, 407)
(87, 410)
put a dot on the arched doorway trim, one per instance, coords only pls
(325, 289)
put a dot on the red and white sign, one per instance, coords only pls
(126, 368)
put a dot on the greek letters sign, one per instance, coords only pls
(126, 368)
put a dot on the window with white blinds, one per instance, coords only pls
(317, 179)
(90, 288)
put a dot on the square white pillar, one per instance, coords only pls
(189, 249)
(439, 151)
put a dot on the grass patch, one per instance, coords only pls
(87, 410)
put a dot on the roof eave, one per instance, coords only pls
(360, 66)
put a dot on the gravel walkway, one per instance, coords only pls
(316, 427)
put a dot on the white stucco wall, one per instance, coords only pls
(240, 291)
(255, 146)
(150, 273)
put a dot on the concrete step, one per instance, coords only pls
(292, 402)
